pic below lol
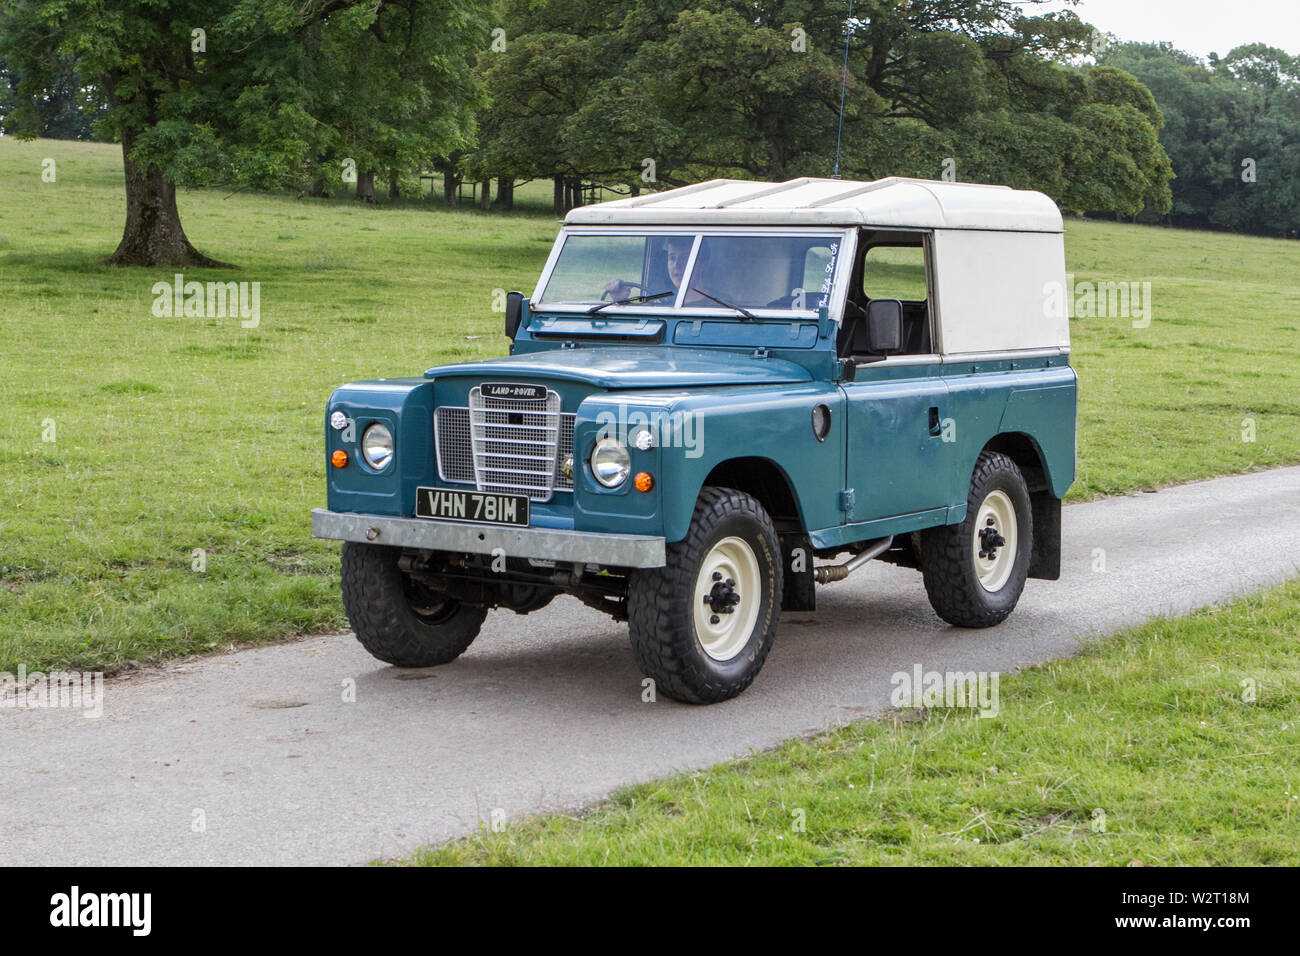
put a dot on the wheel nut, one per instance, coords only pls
(714, 619)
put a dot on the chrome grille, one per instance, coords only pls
(516, 443)
(484, 446)
(456, 448)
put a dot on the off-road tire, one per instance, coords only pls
(948, 560)
(661, 618)
(381, 603)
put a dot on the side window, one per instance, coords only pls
(895, 272)
(898, 271)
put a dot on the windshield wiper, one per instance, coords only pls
(635, 298)
(745, 312)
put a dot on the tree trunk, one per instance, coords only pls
(450, 185)
(317, 189)
(636, 189)
(393, 192)
(366, 186)
(153, 235)
(558, 182)
(485, 200)
(506, 192)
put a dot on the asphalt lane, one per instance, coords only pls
(258, 757)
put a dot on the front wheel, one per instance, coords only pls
(702, 625)
(974, 571)
(399, 619)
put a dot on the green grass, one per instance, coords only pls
(181, 435)
(1142, 748)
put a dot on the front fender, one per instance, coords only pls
(405, 405)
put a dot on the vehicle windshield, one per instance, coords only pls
(792, 273)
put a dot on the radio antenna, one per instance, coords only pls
(844, 76)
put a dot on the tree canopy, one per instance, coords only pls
(645, 94)
(976, 89)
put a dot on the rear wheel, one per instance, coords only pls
(975, 571)
(702, 625)
(399, 619)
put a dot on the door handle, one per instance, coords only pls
(936, 426)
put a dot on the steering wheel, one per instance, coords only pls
(636, 285)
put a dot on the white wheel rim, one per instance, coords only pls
(723, 634)
(994, 562)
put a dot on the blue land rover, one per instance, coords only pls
(717, 398)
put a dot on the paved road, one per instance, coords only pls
(547, 713)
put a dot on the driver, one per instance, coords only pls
(679, 252)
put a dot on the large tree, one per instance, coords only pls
(249, 91)
(394, 86)
(547, 64)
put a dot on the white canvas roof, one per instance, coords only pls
(888, 203)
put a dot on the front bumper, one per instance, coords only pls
(618, 550)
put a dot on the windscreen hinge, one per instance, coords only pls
(565, 346)
(760, 353)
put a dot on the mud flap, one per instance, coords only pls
(799, 592)
(1045, 562)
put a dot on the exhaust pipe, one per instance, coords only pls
(838, 572)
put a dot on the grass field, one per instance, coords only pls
(1174, 743)
(158, 471)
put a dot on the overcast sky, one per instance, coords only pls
(1197, 26)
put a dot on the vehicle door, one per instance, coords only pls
(899, 439)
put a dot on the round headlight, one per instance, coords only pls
(610, 462)
(377, 446)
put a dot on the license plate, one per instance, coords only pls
(479, 506)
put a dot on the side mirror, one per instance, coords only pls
(884, 326)
(514, 313)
